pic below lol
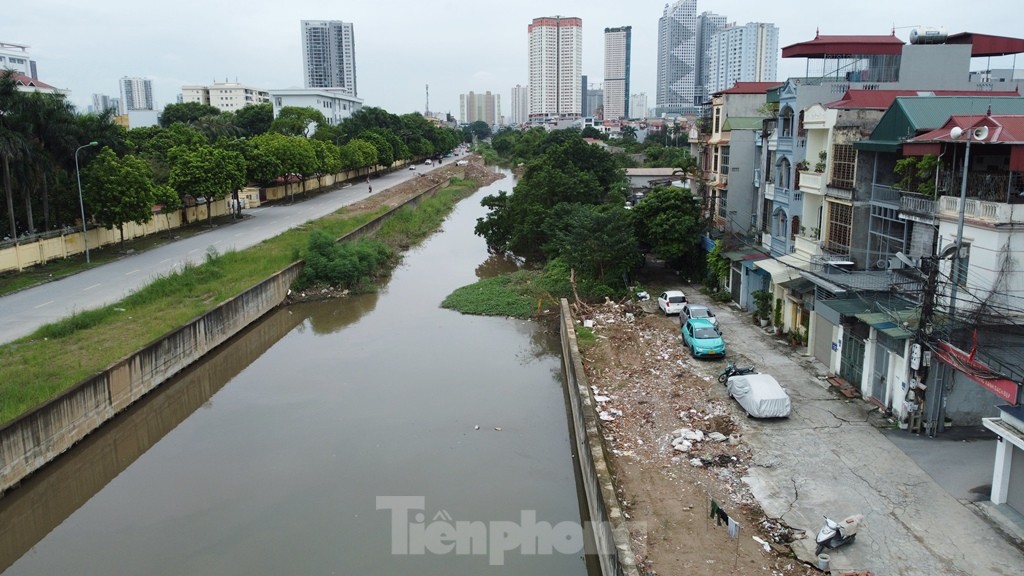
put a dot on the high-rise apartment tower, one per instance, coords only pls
(555, 68)
(616, 72)
(329, 55)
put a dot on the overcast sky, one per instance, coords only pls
(455, 46)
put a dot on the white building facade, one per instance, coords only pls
(136, 94)
(519, 105)
(15, 57)
(748, 53)
(616, 72)
(555, 68)
(224, 96)
(335, 105)
(638, 105)
(329, 55)
(484, 107)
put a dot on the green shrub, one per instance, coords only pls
(343, 265)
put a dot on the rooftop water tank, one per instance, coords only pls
(928, 35)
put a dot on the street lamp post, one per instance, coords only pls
(81, 204)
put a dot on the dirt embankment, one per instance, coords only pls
(402, 192)
(650, 393)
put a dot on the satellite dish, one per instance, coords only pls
(980, 133)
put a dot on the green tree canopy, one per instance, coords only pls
(186, 113)
(296, 121)
(596, 241)
(254, 119)
(667, 222)
(206, 172)
(119, 190)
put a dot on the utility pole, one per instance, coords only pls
(922, 363)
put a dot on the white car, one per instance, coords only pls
(427, 162)
(760, 395)
(697, 311)
(672, 302)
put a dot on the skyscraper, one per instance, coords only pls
(708, 26)
(484, 107)
(101, 103)
(329, 55)
(555, 68)
(677, 59)
(520, 104)
(747, 53)
(638, 105)
(136, 94)
(616, 72)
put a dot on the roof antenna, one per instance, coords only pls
(989, 113)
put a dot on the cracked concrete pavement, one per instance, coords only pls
(828, 459)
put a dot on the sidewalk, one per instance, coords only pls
(827, 458)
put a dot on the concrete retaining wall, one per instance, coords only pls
(37, 437)
(611, 535)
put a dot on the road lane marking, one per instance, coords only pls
(43, 304)
(166, 260)
(93, 286)
(132, 272)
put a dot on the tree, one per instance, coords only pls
(629, 133)
(596, 241)
(590, 132)
(254, 119)
(480, 129)
(385, 155)
(667, 222)
(167, 199)
(186, 113)
(206, 172)
(295, 121)
(328, 158)
(119, 190)
(358, 154)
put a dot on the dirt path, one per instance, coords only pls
(399, 193)
(653, 388)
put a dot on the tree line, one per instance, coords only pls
(197, 152)
(568, 211)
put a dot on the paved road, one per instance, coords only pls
(827, 459)
(23, 312)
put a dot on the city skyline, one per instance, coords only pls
(87, 48)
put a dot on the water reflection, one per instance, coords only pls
(497, 264)
(377, 395)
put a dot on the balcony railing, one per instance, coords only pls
(917, 207)
(981, 210)
(782, 194)
(811, 182)
(838, 193)
(886, 195)
(1005, 187)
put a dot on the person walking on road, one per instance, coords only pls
(368, 186)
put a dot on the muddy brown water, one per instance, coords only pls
(271, 456)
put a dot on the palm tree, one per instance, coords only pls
(13, 145)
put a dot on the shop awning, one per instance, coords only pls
(885, 324)
(798, 285)
(744, 254)
(781, 269)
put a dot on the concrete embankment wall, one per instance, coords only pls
(611, 535)
(35, 438)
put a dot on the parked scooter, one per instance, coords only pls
(834, 535)
(732, 370)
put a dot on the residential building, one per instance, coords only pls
(747, 53)
(102, 102)
(638, 105)
(677, 59)
(595, 102)
(136, 94)
(224, 96)
(519, 105)
(708, 26)
(329, 55)
(24, 83)
(335, 104)
(484, 107)
(16, 57)
(616, 71)
(555, 68)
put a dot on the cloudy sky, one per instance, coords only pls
(454, 46)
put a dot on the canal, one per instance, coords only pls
(359, 436)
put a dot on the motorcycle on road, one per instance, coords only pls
(732, 370)
(835, 534)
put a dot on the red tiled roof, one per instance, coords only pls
(22, 80)
(988, 45)
(882, 99)
(750, 88)
(823, 46)
(1002, 128)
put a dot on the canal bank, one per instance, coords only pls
(35, 438)
(380, 394)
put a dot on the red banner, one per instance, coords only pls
(965, 363)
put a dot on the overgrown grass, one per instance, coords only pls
(37, 367)
(585, 337)
(514, 294)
